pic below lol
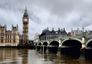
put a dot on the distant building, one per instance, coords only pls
(81, 33)
(47, 34)
(36, 37)
(9, 37)
(77, 32)
(88, 34)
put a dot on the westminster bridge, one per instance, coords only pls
(72, 46)
(61, 40)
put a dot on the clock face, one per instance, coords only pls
(25, 19)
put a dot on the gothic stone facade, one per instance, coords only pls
(9, 37)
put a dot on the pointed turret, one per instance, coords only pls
(25, 13)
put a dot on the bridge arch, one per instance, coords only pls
(71, 48)
(53, 46)
(39, 44)
(89, 43)
(45, 43)
(71, 42)
(54, 43)
(88, 49)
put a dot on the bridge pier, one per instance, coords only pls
(44, 47)
(38, 47)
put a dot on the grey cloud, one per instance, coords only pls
(34, 18)
(47, 13)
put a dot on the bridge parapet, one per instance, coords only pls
(62, 39)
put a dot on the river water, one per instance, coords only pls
(27, 56)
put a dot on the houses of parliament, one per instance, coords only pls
(12, 37)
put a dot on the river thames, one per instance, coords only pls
(27, 56)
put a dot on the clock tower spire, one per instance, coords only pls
(25, 27)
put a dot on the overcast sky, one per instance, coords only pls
(47, 13)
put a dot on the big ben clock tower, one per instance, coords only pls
(25, 27)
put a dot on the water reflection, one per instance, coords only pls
(25, 56)
(9, 56)
(60, 59)
(23, 53)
